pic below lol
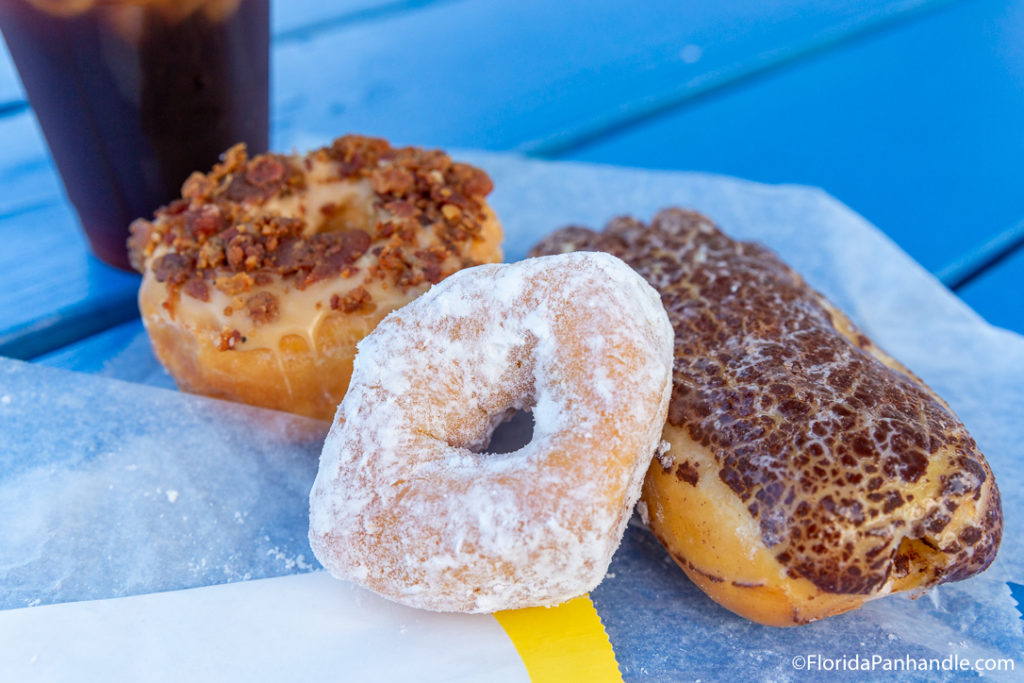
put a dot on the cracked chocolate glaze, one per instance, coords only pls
(857, 475)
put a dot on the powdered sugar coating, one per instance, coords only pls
(403, 502)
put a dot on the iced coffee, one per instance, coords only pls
(134, 96)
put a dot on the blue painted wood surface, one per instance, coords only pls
(468, 73)
(11, 92)
(27, 175)
(91, 353)
(502, 74)
(54, 291)
(290, 19)
(513, 72)
(919, 128)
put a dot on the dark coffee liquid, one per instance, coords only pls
(131, 104)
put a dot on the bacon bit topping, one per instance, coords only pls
(234, 284)
(356, 300)
(472, 179)
(197, 186)
(229, 339)
(401, 209)
(265, 171)
(392, 180)
(211, 254)
(432, 260)
(204, 220)
(172, 268)
(322, 256)
(197, 289)
(262, 308)
(222, 227)
(140, 242)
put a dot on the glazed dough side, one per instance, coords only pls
(301, 363)
(715, 541)
(405, 505)
(742, 574)
(737, 570)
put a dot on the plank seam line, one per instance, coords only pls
(630, 114)
(12, 107)
(66, 326)
(964, 270)
(22, 209)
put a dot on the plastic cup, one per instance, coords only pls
(133, 96)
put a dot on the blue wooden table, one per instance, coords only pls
(911, 112)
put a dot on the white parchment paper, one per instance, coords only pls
(302, 627)
(110, 488)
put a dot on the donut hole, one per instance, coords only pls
(346, 217)
(512, 434)
(348, 206)
(497, 421)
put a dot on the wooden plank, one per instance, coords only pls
(998, 293)
(498, 74)
(62, 294)
(917, 128)
(289, 19)
(510, 72)
(53, 292)
(960, 272)
(11, 92)
(470, 73)
(28, 177)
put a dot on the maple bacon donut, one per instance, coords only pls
(406, 504)
(260, 280)
(808, 471)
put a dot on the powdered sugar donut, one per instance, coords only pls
(405, 503)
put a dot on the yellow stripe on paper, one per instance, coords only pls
(562, 643)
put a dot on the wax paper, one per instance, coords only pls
(109, 488)
(89, 463)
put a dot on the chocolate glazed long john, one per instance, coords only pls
(808, 471)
